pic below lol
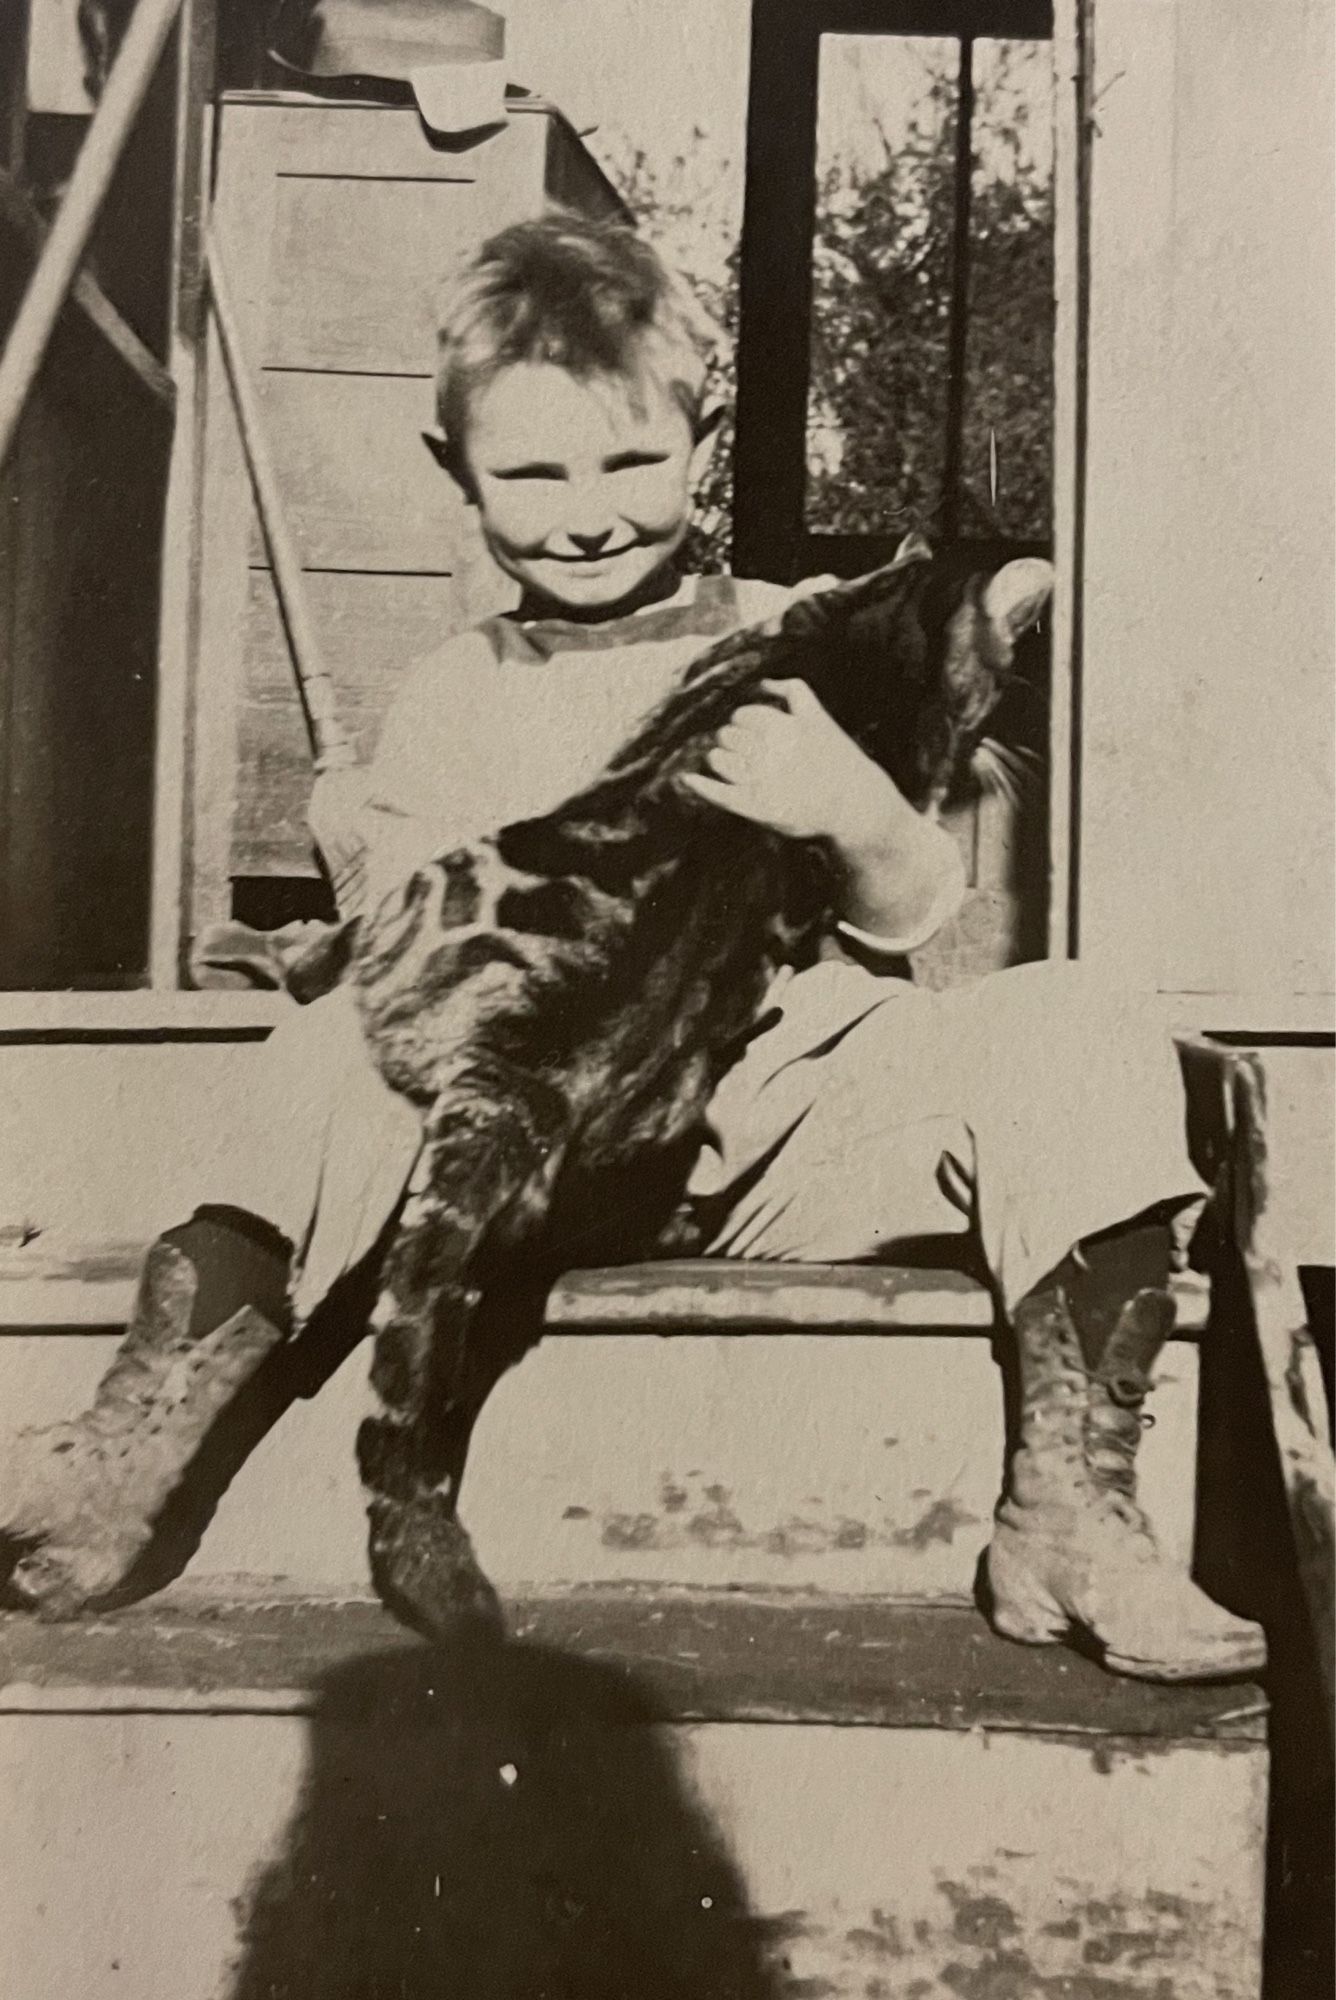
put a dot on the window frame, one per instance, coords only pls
(770, 534)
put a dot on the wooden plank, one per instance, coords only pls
(371, 627)
(102, 1019)
(697, 1656)
(356, 268)
(534, 1812)
(1284, 1215)
(312, 136)
(24, 233)
(1207, 847)
(361, 489)
(178, 624)
(691, 1298)
(702, 1295)
(1071, 201)
(242, 214)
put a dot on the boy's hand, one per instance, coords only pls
(792, 769)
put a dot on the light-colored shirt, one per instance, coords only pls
(507, 721)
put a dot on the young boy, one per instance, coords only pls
(1034, 1110)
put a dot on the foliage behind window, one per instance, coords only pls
(881, 279)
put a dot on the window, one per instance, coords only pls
(895, 355)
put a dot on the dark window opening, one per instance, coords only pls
(895, 360)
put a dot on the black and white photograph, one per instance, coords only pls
(667, 999)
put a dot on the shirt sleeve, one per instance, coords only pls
(420, 781)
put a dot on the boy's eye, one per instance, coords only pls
(536, 471)
(632, 461)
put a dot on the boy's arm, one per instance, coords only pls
(398, 812)
(904, 878)
(788, 765)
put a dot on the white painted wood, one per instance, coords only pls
(1069, 333)
(178, 616)
(867, 1464)
(109, 1017)
(1207, 785)
(909, 1864)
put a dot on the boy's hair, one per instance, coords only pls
(590, 297)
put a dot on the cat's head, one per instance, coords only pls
(919, 659)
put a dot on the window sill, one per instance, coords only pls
(159, 1015)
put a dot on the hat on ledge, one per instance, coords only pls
(445, 54)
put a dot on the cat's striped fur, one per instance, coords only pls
(561, 999)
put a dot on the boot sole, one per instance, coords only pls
(1244, 1662)
(1026, 1611)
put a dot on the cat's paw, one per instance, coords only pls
(425, 1571)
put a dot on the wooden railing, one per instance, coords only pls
(90, 307)
(64, 250)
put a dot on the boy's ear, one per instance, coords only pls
(451, 459)
(708, 426)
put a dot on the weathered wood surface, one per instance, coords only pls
(339, 224)
(371, 627)
(862, 1463)
(705, 1656)
(21, 235)
(700, 1296)
(549, 1818)
(1284, 1215)
(356, 268)
(344, 141)
(360, 487)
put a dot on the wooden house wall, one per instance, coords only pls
(338, 222)
(1205, 859)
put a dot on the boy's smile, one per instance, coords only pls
(583, 489)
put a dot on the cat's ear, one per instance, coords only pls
(705, 439)
(914, 548)
(1015, 598)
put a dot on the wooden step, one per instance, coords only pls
(648, 1793)
(49, 1280)
(858, 1461)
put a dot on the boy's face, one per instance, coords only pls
(583, 489)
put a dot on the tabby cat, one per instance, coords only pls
(562, 998)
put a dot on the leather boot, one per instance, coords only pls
(79, 1500)
(1071, 1549)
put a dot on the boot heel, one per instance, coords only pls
(1021, 1607)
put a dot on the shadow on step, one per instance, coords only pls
(498, 1821)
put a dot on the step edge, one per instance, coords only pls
(72, 1306)
(1240, 1717)
(1232, 1732)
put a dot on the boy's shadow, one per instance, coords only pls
(502, 1821)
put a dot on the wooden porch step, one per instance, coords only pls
(690, 1655)
(318, 1799)
(658, 1793)
(860, 1454)
(46, 1284)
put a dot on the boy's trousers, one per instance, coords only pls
(1034, 1108)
